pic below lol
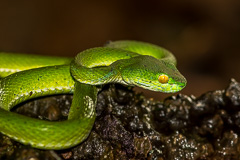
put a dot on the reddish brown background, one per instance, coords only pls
(204, 35)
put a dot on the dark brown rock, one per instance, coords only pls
(128, 126)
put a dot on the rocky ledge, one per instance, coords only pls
(128, 126)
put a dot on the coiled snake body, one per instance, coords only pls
(26, 77)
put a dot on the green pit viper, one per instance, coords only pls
(26, 77)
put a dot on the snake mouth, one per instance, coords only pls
(156, 86)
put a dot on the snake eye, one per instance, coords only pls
(163, 78)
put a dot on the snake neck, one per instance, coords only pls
(96, 75)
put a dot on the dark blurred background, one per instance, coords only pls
(203, 35)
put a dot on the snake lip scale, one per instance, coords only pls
(25, 77)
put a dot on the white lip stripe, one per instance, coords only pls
(9, 70)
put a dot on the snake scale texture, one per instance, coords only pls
(25, 77)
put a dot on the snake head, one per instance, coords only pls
(153, 74)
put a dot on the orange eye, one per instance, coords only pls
(163, 79)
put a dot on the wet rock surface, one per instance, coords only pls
(128, 126)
